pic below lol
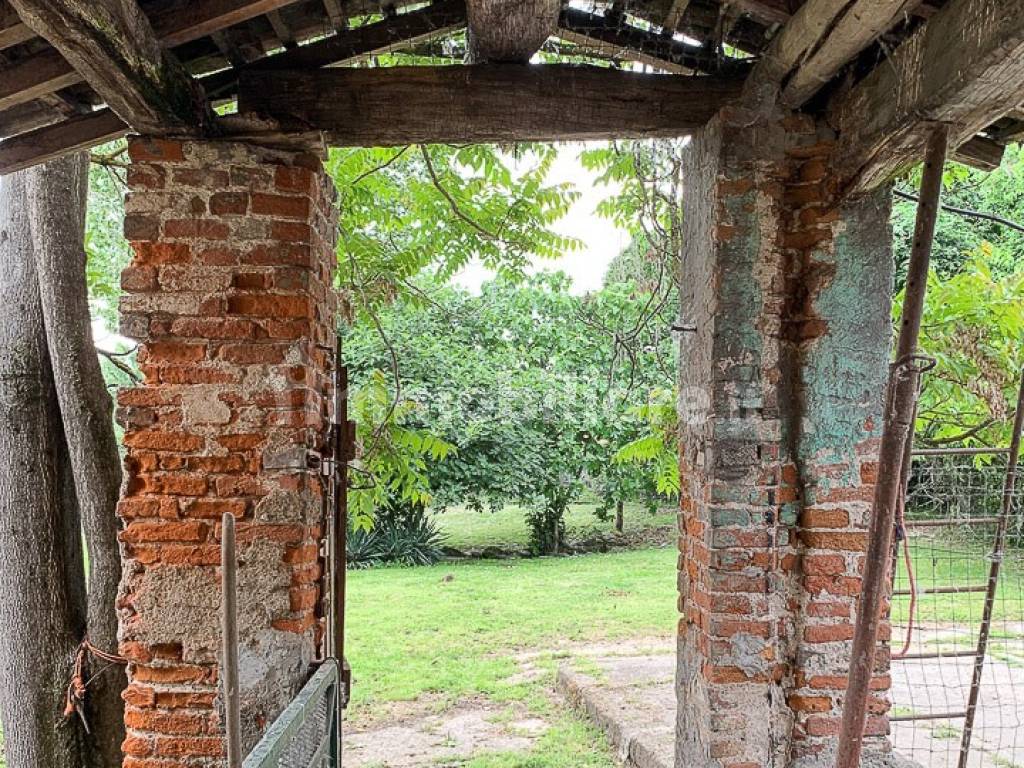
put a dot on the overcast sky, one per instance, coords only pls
(601, 239)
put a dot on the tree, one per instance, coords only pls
(973, 326)
(59, 478)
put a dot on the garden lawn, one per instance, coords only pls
(452, 629)
(507, 528)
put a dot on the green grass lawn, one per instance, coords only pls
(507, 529)
(947, 563)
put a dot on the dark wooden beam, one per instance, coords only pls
(605, 35)
(397, 32)
(504, 31)
(33, 77)
(112, 45)
(484, 103)
(48, 142)
(963, 67)
(981, 153)
(175, 23)
(180, 21)
(12, 29)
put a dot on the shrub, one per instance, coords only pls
(403, 534)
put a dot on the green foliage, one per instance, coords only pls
(528, 385)
(402, 534)
(412, 210)
(973, 326)
(658, 447)
(107, 252)
(957, 238)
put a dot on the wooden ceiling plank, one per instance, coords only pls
(856, 28)
(13, 30)
(628, 42)
(34, 77)
(182, 21)
(281, 29)
(405, 105)
(335, 13)
(48, 142)
(801, 34)
(349, 45)
(111, 44)
(964, 67)
(981, 153)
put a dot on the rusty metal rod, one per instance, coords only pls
(936, 655)
(1009, 483)
(229, 631)
(975, 588)
(958, 451)
(954, 523)
(935, 716)
(900, 398)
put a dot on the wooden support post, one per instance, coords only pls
(506, 31)
(901, 398)
(993, 576)
(229, 638)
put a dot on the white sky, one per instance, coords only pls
(602, 241)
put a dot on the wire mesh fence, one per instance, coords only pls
(941, 581)
(305, 734)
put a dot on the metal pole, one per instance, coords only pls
(900, 398)
(998, 546)
(229, 630)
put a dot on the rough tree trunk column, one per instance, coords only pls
(780, 403)
(229, 295)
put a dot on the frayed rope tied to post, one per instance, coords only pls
(78, 687)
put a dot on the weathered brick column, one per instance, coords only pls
(229, 293)
(781, 397)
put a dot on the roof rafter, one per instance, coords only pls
(112, 45)
(964, 67)
(174, 23)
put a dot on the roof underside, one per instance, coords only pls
(216, 39)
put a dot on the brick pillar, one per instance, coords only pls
(780, 399)
(229, 296)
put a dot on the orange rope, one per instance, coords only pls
(79, 684)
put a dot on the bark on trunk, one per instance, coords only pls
(86, 411)
(619, 516)
(41, 619)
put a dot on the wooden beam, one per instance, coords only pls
(12, 29)
(181, 21)
(602, 34)
(981, 153)
(859, 25)
(674, 17)
(112, 45)
(174, 23)
(768, 11)
(963, 67)
(509, 30)
(401, 31)
(484, 103)
(791, 45)
(33, 77)
(48, 142)
(281, 29)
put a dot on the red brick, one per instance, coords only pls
(800, 703)
(193, 746)
(207, 229)
(215, 508)
(292, 179)
(174, 723)
(253, 354)
(814, 517)
(171, 352)
(853, 542)
(138, 695)
(147, 150)
(285, 206)
(828, 633)
(229, 203)
(269, 305)
(824, 564)
(180, 674)
(184, 531)
(297, 626)
(164, 441)
(139, 226)
(161, 253)
(213, 328)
